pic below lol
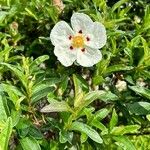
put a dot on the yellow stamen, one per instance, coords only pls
(78, 41)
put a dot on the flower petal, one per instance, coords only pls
(81, 22)
(89, 57)
(97, 36)
(65, 55)
(60, 33)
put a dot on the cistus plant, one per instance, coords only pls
(74, 75)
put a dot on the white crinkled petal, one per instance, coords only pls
(65, 55)
(89, 57)
(60, 33)
(80, 21)
(97, 35)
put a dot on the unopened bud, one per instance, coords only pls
(121, 85)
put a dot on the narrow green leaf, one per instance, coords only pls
(17, 72)
(118, 4)
(38, 61)
(98, 125)
(8, 87)
(102, 95)
(3, 15)
(148, 117)
(80, 84)
(30, 13)
(141, 91)
(101, 114)
(121, 130)
(65, 136)
(29, 143)
(83, 137)
(5, 134)
(114, 120)
(84, 128)
(15, 95)
(41, 91)
(127, 144)
(3, 115)
(139, 108)
(63, 85)
(4, 52)
(115, 68)
(78, 101)
(98, 80)
(146, 73)
(56, 106)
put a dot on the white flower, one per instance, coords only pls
(79, 43)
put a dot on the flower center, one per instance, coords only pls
(78, 41)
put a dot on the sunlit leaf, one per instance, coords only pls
(81, 127)
(5, 134)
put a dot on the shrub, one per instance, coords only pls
(45, 105)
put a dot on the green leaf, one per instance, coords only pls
(139, 108)
(141, 91)
(15, 115)
(115, 68)
(3, 15)
(3, 115)
(5, 134)
(118, 4)
(84, 128)
(56, 106)
(8, 87)
(98, 125)
(4, 53)
(80, 84)
(102, 65)
(146, 73)
(65, 136)
(83, 137)
(35, 132)
(98, 80)
(63, 85)
(30, 13)
(108, 96)
(101, 114)
(121, 130)
(17, 72)
(148, 117)
(79, 100)
(15, 95)
(124, 142)
(146, 50)
(38, 61)
(28, 143)
(114, 120)
(146, 24)
(41, 91)
(131, 45)
(100, 94)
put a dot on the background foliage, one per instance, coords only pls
(45, 106)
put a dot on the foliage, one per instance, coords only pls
(44, 105)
